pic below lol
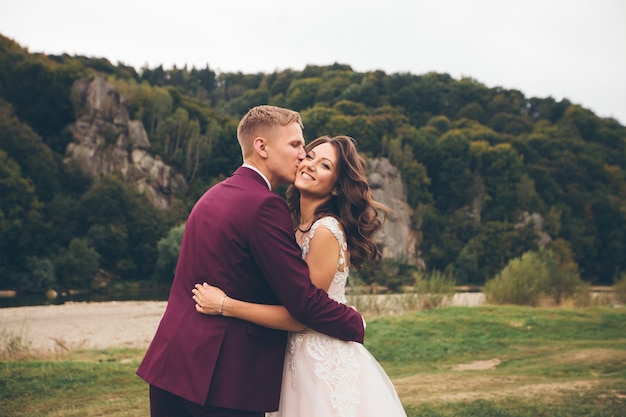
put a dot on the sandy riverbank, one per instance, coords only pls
(83, 325)
(98, 325)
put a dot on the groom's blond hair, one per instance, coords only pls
(258, 120)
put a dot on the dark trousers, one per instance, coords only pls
(166, 404)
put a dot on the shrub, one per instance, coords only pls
(168, 249)
(42, 275)
(521, 282)
(526, 280)
(561, 283)
(77, 265)
(389, 273)
(563, 278)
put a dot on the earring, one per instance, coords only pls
(335, 193)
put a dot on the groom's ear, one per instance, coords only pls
(260, 147)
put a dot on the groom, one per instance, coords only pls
(239, 237)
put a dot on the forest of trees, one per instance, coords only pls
(475, 160)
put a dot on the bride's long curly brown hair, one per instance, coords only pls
(354, 206)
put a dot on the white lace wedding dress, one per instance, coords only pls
(327, 377)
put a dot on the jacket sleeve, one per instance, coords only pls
(279, 258)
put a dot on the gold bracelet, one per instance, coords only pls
(222, 305)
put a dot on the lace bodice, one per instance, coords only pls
(337, 289)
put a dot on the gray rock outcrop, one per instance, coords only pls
(397, 239)
(105, 141)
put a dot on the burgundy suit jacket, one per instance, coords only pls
(238, 237)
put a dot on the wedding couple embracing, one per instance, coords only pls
(256, 321)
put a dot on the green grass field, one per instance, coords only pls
(456, 361)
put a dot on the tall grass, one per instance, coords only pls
(487, 361)
(620, 289)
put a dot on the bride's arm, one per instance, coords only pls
(213, 301)
(322, 258)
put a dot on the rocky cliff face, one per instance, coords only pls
(105, 140)
(397, 239)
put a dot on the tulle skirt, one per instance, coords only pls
(327, 377)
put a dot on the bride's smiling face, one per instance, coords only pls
(317, 173)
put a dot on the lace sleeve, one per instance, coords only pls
(331, 224)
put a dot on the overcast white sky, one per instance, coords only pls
(574, 49)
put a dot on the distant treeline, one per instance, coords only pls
(477, 162)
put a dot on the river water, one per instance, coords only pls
(36, 299)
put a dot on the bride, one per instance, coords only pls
(335, 219)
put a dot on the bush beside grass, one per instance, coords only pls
(534, 277)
